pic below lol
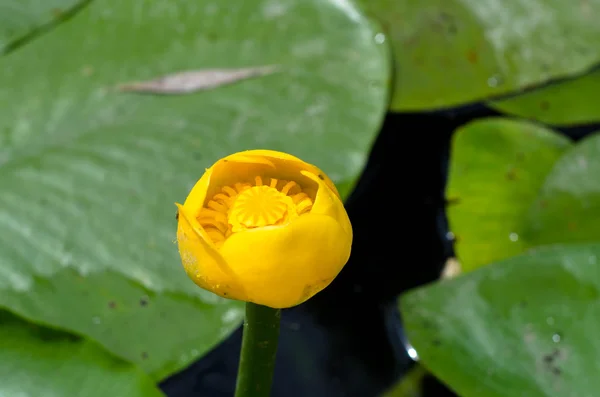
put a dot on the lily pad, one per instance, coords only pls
(525, 326)
(126, 317)
(566, 103)
(567, 208)
(20, 19)
(36, 362)
(451, 52)
(89, 174)
(497, 169)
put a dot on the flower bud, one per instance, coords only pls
(265, 227)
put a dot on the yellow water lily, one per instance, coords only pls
(265, 227)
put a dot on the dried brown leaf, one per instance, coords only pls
(191, 81)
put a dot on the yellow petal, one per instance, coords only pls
(268, 163)
(202, 262)
(267, 154)
(195, 199)
(327, 202)
(225, 172)
(282, 266)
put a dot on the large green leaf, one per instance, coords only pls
(37, 362)
(527, 326)
(449, 52)
(160, 330)
(570, 102)
(497, 168)
(23, 18)
(89, 175)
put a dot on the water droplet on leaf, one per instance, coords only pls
(494, 81)
(379, 38)
(556, 338)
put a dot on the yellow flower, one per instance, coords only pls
(265, 227)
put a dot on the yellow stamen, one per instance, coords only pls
(259, 206)
(288, 186)
(245, 206)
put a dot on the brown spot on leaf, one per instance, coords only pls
(447, 23)
(523, 304)
(551, 360)
(544, 105)
(144, 301)
(112, 305)
(144, 355)
(511, 175)
(472, 56)
(427, 324)
(452, 29)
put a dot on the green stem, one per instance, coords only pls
(259, 345)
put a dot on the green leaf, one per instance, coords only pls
(89, 174)
(409, 385)
(567, 208)
(570, 102)
(450, 52)
(526, 326)
(161, 331)
(20, 19)
(346, 187)
(38, 362)
(497, 169)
